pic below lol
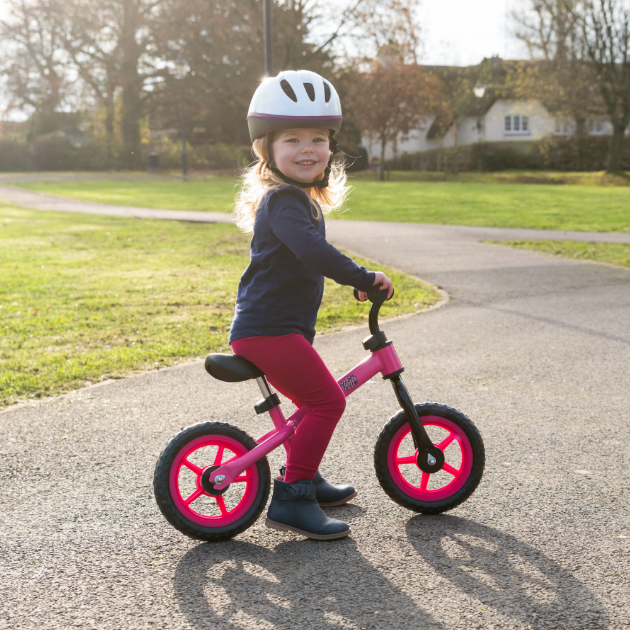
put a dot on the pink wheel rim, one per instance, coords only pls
(397, 461)
(227, 449)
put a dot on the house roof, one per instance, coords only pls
(443, 121)
(458, 81)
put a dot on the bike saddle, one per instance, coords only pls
(231, 368)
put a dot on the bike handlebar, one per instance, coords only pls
(378, 298)
(374, 295)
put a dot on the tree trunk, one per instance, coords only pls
(615, 149)
(580, 143)
(383, 144)
(131, 84)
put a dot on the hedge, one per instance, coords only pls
(557, 154)
(56, 152)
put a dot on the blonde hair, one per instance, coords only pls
(257, 179)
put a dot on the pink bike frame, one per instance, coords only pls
(384, 361)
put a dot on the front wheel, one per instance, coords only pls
(186, 501)
(398, 472)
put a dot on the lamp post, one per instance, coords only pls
(181, 68)
(268, 38)
(479, 91)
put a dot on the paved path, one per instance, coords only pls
(535, 349)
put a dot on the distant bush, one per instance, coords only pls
(56, 152)
(556, 153)
(53, 152)
(201, 156)
(14, 156)
(355, 158)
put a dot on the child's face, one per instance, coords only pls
(301, 154)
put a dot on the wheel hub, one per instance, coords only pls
(430, 460)
(207, 485)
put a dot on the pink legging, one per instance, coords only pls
(295, 369)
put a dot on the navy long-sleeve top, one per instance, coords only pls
(281, 289)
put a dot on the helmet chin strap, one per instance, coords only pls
(318, 183)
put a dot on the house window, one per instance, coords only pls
(563, 127)
(517, 124)
(596, 127)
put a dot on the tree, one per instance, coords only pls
(34, 63)
(391, 99)
(559, 75)
(222, 41)
(111, 43)
(388, 27)
(605, 36)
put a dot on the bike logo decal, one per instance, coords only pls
(349, 382)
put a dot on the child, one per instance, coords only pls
(293, 119)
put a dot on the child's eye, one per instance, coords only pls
(319, 140)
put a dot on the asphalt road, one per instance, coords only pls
(536, 350)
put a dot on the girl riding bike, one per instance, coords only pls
(293, 119)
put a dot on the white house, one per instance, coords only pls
(494, 119)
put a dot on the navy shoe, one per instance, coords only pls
(294, 508)
(327, 494)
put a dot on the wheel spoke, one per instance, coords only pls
(450, 470)
(424, 482)
(219, 457)
(221, 503)
(446, 441)
(192, 466)
(242, 478)
(406, 460)
(195, 495)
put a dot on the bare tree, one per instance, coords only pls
(34, 63)
(386, 26)
(111, 43)
(392, 98)
(605, 31)
(559, 75)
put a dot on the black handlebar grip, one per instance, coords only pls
(374, 294)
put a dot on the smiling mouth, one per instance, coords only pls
(306, 162)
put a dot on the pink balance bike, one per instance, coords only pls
(212, 480)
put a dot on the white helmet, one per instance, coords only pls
(294, 99)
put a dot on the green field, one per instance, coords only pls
(543, 206)
(599, 178)
(617, 254)
(84, 298)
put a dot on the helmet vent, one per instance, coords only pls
(310, 90)
(288, 90)
(326, 92)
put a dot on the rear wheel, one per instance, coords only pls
(398, 471)
(183, 495)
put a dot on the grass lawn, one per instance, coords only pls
(84, 298)
(599, 178)
(543, 206)
(617, 254)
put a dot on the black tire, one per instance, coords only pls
(395, 492)
(166, 503)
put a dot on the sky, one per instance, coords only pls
(463, 32)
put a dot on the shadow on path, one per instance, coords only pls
(298, 583)
(506, 574)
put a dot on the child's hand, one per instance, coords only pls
(385, 283)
